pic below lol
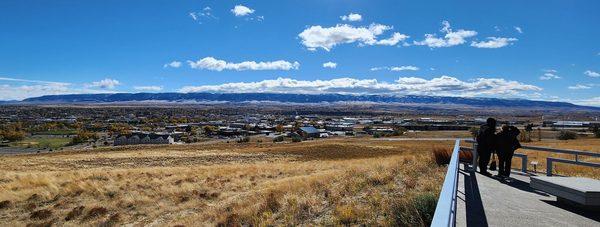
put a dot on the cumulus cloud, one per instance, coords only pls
(329, 64)
(106, 83)
(328, 37)
(443, 85)
(173, 64)
(214, 64)
(392, 41)
(591, 73)
(397, 68)
(148, 88)
(451, 38)
(241, 10)
(352, 17)
(518, 29)
(579, 87)
(494, 42)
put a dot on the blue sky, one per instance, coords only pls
(545, 50)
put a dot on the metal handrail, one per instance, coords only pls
(445, 211)
(550, 160)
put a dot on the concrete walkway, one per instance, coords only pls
(486, 201)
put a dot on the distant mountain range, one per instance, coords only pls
(293, 98)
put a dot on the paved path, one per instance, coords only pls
(485, 201)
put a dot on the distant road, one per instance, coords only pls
(426, 138)
(17, 150)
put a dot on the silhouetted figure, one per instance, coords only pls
(486, 138)
(506, 145)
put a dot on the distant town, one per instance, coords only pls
(45, 129)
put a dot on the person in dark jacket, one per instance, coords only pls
(486, 138)
(506, 145)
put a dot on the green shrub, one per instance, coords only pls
(278, 139)
(376, 135)
(425, 205)
(566, 135)
(296, 139)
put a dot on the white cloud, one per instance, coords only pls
(397, 68)
(518, 29)
(443, 86)
(579, 87)
(352, 17)
(494, 42)
(594, 101)
(12, 92)
(33, 81)
(591, 73)
(240, 11)
(148, 88)
(329, 64)
(193, 16)
(395, 39)
(173, 64)
(549, 74)
(404, 68)
(326, 38)
(106, 83)
(19, 89)
(203, 15)
(451, 38)
(214, 64)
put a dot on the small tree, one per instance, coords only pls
(209, 130)
(83, 136)
(596, 131)
(279, 128)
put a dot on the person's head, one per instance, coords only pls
(491, 122)
(505, 127)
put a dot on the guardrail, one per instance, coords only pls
(549, 160)
(445, 211)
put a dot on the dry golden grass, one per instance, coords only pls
(583, 144)
(326, 182)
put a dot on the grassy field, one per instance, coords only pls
(323, 182)
(43, 142)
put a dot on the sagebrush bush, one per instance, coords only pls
(566, 135)
(425, 204)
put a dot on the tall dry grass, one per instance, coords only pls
(348, 182)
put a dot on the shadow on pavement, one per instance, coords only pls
(591, 213)
(524, 186)
(474, 207)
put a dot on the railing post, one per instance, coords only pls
(548, 167)
(474, 154)
(524, 164)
